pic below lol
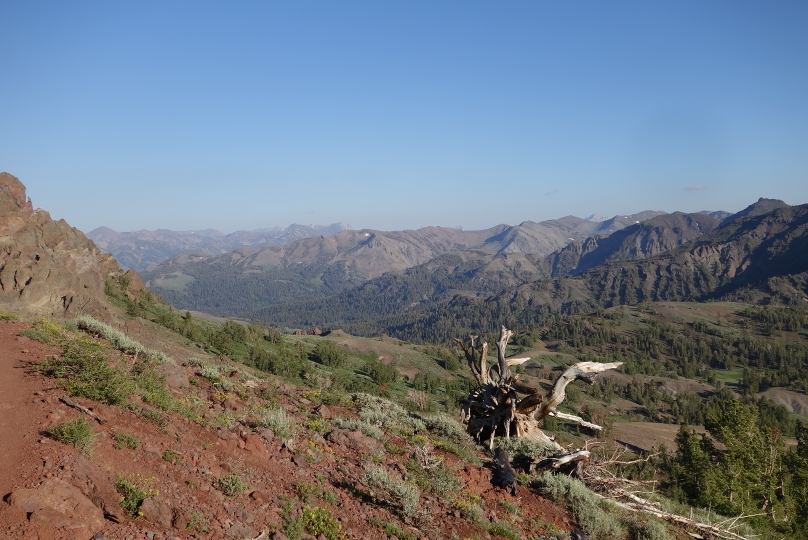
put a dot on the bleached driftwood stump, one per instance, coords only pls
(495, 408)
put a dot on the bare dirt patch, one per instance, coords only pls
(647, 435)
(795, 402)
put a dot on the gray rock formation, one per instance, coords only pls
(47, 268)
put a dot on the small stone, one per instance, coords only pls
(323, 411)
(259, 496)
(155, 510)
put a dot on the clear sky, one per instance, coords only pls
(397, 115)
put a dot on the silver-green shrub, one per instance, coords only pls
(274, 419)
(447, 426)
(585, 506)
(119, 340)
(385, 414)
(524, 448)
(349, 423)
(395, 491)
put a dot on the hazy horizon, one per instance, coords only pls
(189, 116)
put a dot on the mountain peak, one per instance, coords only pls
(762, 206)
(12, 196)
(47, 268)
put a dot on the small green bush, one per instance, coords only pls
(119, 340)
(319, 521)
(447, 427)
(329, 354)
(519, 447)
(396, 492)
(391, 529)
(652, 530)
(198, 522)
(45, 332)
(274, 419)
(134, 491)
(232, 484)
(172, 457)
(306, 492)
(385, 414)
(584, 505)
(364, 427)
(78, 433)
(503, 528)
(87, 373)
(125, 440)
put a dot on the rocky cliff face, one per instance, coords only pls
(47, 268)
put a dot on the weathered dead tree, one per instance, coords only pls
(495, 408)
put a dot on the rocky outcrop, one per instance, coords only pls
(47, 268)
(60, 505)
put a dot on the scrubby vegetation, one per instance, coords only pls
(77, 432)
(407, 401)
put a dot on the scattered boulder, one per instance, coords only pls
(58, 503)
(181, 519)
(354, 440)
(98, 487)
(240, 532)
(155, 510)
(323, 412)
(253, 442)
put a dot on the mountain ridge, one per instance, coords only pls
(143, 248)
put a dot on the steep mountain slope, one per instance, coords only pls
(762, 206)
(478, 274)
(240, 282)
(639, 241)
(47, 267)
(548, 236)
(470, 273)
(140, 249)
(747, 251)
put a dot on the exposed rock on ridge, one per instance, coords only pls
(47, 268)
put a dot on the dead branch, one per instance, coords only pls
(629, 494)
(83, 409)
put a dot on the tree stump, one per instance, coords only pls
(495, 408)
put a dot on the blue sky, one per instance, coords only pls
(396, 115)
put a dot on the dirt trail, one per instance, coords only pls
(19, 422)
(22, 411)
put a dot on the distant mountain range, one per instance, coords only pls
(754, 257)
(245, 280)
(480, 274)
(141, 249)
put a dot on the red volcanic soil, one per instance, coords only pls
(189, 505)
